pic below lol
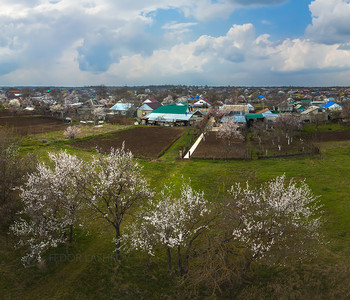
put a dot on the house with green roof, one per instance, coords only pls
(173, 113)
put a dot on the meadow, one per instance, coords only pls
(86, 270)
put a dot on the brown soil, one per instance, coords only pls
(7, 113)
(146, 142)
(25, 125)
(213, 147)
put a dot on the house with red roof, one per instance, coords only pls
(202, 103)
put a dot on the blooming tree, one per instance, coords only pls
(288, 123)
(99, 113)
(14, 106)
(275, 220)
(116, 186)
(51, 201)
(71, 132)
(172, 222)
(229, 131)
(56, 108)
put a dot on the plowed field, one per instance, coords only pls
(25, 125)
(145, 142)
(213, 147)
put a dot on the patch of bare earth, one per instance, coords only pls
(145, 142)
(25, 125)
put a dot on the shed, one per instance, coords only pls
(170, 114)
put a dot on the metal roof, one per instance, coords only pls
(171, 109)
(121, 106)
(254, 116)
(237, 119)
(168, 117)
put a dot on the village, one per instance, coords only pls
(267, 118)
(171, 106)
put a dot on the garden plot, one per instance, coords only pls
(26, 125)
(144, 142)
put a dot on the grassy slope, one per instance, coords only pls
(80, 275)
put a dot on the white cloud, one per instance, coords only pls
(179, 27)
(330, 21)
(237, 57)
(68, 42)
(305, 55)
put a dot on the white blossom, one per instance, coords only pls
(229, 130)
(71, 132)
(278, 216)
(171, 221)
(116, 186)
(51, 200)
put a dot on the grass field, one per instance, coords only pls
(87, 271)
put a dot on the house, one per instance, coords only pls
(202, 103)
(268, 115)
(251, 118)
(314, 113)
(318, 102)
(238, 119)
(172, 114)
(286, 106)
(13, 94)
(332, 106)
(122, 108)
(242, 109)
(147, 107)
(299, 108)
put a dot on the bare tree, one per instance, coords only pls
(13, 168)
(288, 123)
(101, 92)
(346, 112)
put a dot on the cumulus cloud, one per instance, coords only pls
(330, 21)
(68, 42)
(239, 57)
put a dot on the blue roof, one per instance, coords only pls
(329, 104)
(261, 96)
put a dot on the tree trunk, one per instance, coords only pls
(169, 259)
(70, 233)
(179, 260)
(117, 243)
(187, 257)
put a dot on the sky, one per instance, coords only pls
(187, 42)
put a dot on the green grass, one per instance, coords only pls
(91, 274)
(325, 127)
